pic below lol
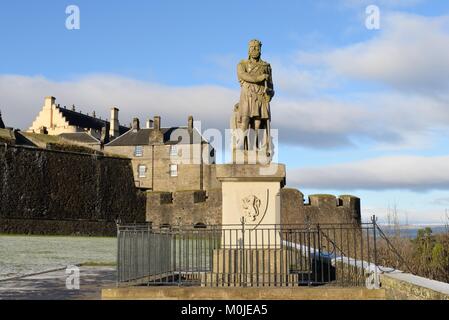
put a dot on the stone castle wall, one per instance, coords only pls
(319, 209)
(59, 192)
(184, 207)
(200, 207)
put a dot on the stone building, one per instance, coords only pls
(167, 159)
(75, 126)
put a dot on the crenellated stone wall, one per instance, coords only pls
(201, 207)
(319, 209)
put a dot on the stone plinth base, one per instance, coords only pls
(249, 280)
(251, 195)
(238, 293)
(255, 267)
(252, 237)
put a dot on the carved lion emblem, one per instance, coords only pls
(251, 207)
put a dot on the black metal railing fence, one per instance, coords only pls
(246, 255)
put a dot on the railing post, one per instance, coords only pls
(242, 259)
(118, 252)
(319, 265)
(374, 222)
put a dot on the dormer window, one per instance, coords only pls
(138, 151)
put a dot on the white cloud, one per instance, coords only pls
(441, 202)
(320, 123)
(410, 215)
(296, 80)
(22, 98)
(411, 53)
(400, 172)
(315, 122)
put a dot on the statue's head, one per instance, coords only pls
(255, 49)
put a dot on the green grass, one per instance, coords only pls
(21, 255)
(54, 236)
(44, 138)
(58, 143)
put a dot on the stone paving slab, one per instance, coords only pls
(52, 285)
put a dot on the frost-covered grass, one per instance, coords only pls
(20, 255)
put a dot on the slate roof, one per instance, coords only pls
(84, 121)
(82, 137)
(22, 140)
(142, 137)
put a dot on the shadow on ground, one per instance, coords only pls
(52, 285)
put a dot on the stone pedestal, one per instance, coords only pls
(251, 204)
(253, 267)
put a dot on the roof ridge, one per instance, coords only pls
(79, 133)
(119, 137)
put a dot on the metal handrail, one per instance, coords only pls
(391, 246)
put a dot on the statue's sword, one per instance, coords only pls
(268, 130)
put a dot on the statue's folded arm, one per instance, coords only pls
(245, 76)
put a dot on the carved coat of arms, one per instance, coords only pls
(251, 208)
(253, 212)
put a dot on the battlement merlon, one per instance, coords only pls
(157, 198)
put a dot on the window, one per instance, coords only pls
(138, 151)
(142, 171)
(173, 170)
(173, 150)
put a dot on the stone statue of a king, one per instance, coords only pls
(253, 110)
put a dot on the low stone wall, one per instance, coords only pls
(403, 286)
(262, 293)
(59, 192)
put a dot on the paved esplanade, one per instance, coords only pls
(52, 285)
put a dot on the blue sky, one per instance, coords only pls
(359, 111)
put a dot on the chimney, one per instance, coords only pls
(114, 128)
(157, 123)
(150, 124)
(190, 123)
(105, 134)
(49, 102)
(156, 136)
(136, 124)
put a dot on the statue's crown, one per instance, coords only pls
(255, 42)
